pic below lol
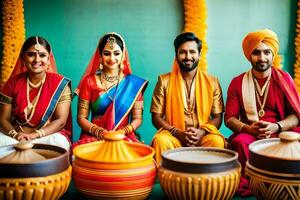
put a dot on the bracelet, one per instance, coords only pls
(99, 133)
(40, 132)
(91, 129)
(128, 128)
(280, 127)
(13, 133)
(241, 127)
(173, 131)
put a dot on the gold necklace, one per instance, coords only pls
(111, 79)
(265, 91)
(189, 98)
(31, 106)
(103, 83)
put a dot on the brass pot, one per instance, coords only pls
(114, 168)
(273, 169)
(33, 172)
(199, 173)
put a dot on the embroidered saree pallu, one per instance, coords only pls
(114, 168)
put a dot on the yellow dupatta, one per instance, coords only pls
(204, 100)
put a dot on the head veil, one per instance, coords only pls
(96, 60)
(20, 65)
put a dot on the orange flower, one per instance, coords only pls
(297, 51)
(195, 21)
(13, 35)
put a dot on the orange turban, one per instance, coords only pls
(266, 36)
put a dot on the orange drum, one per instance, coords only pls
(114, 169)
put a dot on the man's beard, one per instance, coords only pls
(261, 66)
(184, 68)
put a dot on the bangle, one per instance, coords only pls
(279, 127)
(241, 127)
(40, 132)
(173, 131)
(13, 133)
(91, 129)
(128, 128)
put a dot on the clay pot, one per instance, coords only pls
(273, 168)
(33, 172)
(114, 168)
(199, 173)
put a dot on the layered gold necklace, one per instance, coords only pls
(110, 79)
(262, 93)
(31, 105)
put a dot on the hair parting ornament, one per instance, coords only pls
(37, 46)
(111, 41)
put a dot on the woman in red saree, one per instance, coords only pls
(110, 92)
(35, 101)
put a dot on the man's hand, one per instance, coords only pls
(193, 136)
(262, 129)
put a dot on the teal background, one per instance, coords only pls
(149, 28)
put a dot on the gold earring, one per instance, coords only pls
(101, 66)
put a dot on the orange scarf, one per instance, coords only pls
(204, 100)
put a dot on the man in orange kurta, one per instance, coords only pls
(187, 104)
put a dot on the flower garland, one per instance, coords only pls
(297, 51)
(195, 21)
(13, 35)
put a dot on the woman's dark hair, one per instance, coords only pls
(32, 41)
(104, 41)
(185, 37)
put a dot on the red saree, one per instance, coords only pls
(16, 89)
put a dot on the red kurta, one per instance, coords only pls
(278, 106)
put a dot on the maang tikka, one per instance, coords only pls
(37, 46)
(111, 41)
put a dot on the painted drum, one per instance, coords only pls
(273, 169)
(33, 171)
(114, 168)
(199, 173)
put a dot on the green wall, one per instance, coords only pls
(149, 28)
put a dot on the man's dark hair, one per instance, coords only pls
(185, 37)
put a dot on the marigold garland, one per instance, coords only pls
(195, 21)
(13, 35)
(297, 50)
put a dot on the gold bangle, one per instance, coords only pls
(241, 127)
(13, 133)
(90, 128)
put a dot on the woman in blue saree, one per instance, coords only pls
(112, 94)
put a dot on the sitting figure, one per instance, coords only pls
(110, 92)
(187, 104)
(35, 101)
(261, 102)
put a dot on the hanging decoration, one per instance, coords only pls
(297, 50)
(195, 15)
(13, 35)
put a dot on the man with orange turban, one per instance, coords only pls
(187, 104)
(262, 102)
